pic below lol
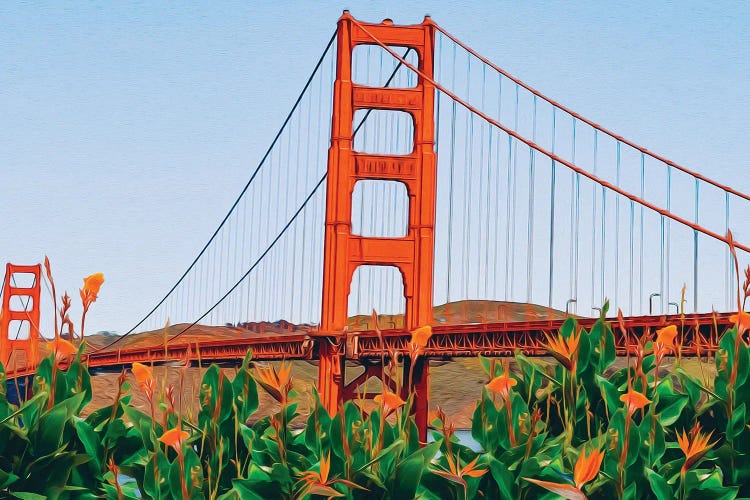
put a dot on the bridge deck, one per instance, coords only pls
(700, 335)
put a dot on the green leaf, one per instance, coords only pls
(28, 496)
(156, 483)
(394, 448)
(659, 486)
(193, 475)
(3, 380)
(670, 405)
(216, 397)
(50, 431)
(257, 486)
(737, 422)
(504, 478)
(90, 441)
(610, 393)
(407, 476)
(7, 478)
(33, 402)
(708, 484)
(78, 380)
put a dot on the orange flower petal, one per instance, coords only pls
(695, 446)
(174, 438)
(587, 466)
(564, 490)
(389, 400)
(502, 384)
(277, 383)
(93, 283)
(421, 335)
(325, 467)
(634, 401)
(62, 348)
(143, 374)
(565, 350)
(665, 336)
(742, 320)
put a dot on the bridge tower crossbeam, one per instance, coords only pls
(344, 251)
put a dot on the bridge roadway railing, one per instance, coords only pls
(700, 334)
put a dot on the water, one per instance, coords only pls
(464, 437)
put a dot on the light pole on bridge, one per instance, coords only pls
(567, 305)
(651, 302)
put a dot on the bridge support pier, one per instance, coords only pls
(331, 370)
(420, 387)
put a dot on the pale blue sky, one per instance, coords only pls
(126, 130)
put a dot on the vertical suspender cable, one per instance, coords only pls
(291, 254)
(497, 186)
(552, 212)
(281, 269)
(695, 249)
(468, 187)
(632, 238)
(513, 201)
(265, 222)
(452, 171)
(530, 229)
(573, 177)
(242, 312)
(314, 264)
(593, 223)
(309, 164)
(577, 220)
(617, 230)
(227, 268)
(640, 261)
(730, 267)
(669, 236)
(604, 242)
(231, 238)
(661, 262)
(483, 187)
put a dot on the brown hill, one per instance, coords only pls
(452, 313)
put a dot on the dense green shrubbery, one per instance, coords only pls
(579, 429)
(582, 428)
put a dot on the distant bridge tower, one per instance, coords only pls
(344, 252)
(19, 346)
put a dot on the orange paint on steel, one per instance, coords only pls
(344, 252)
(10, 345)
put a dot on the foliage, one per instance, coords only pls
(578, 429)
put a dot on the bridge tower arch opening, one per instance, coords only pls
(345, 251)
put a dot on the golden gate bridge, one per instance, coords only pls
(416, 178)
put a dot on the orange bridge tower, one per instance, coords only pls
(19, 345)
(344, 251)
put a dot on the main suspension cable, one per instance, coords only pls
(239, 197)
(587, 121)
(554, 157)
